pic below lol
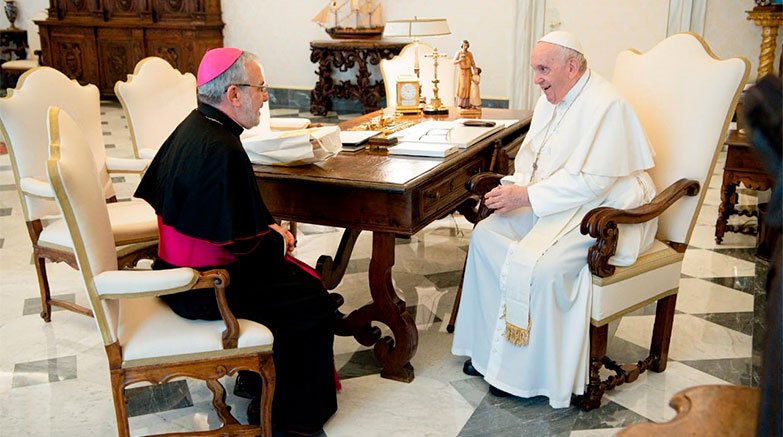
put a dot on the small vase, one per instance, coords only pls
(11, 12)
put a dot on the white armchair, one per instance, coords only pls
(684, 97)
(155, 98)
(144, 339)
(404, 63)
(23, 123)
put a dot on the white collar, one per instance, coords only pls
(575, 90)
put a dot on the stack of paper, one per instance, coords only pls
(296, 147)
(354, 139)
(448, 132)
(435, 150)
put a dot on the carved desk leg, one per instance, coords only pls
(393, 353)
(728, 197)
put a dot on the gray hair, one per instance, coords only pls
(214, 91)
(567, 54)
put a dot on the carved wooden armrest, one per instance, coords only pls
(218, 279)
(481, 184)
(601, 223)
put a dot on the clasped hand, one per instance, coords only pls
(506, 198)
(290, 240)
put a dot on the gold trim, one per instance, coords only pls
(633, 308)
(55, 177)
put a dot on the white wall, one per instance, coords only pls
(280, 31)
(26, 10)
(606, 27)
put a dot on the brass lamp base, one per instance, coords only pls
(432, 110)
(435, 107)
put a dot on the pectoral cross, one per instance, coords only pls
(435, 101)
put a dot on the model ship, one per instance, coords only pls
(352, 19)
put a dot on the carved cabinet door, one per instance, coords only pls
(119, 51)
(73, 52)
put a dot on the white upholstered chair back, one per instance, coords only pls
(79, 194)
(155, 98)
(685, 97)
(23, 115)
(403, 64)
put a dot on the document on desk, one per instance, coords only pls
(448, 132)
(433, 150)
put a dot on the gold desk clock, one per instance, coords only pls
(408, 94)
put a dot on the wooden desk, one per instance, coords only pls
(389, 196)
(344, 55)
(742, 166)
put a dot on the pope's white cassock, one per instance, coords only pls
(524, 315)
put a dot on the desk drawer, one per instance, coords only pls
(434, 196)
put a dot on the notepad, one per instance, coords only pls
(434, 150)
(355, 139)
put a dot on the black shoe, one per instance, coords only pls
(498, 392)
(254, 411)
(468, 368)
(247, 385)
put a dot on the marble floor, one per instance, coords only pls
(54, 376)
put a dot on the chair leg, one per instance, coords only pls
(595, 388)
(266, 366)
(43, 286)
(662, 332)
(458, 298)
(120, 411)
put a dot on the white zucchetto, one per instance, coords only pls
(563, 38)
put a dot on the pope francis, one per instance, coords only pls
(524, 318)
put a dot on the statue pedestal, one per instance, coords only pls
(769, 18)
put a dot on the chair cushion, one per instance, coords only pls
(654, 275)
(150, 332)
(55, 236)
(133, 221)
(20, 64)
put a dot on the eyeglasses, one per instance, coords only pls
(262, 88)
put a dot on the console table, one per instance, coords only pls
(343, 55)
(742, 166)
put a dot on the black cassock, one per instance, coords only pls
(201, 183)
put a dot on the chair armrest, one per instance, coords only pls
(142, 283)
(480, 184)
(281, 123)
(601, 223)
(483, 183)
(123, 165)
(116, 284)
(36, 188)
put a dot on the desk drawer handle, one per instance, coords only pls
(433, 196)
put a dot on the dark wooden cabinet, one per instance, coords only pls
(100, 41)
